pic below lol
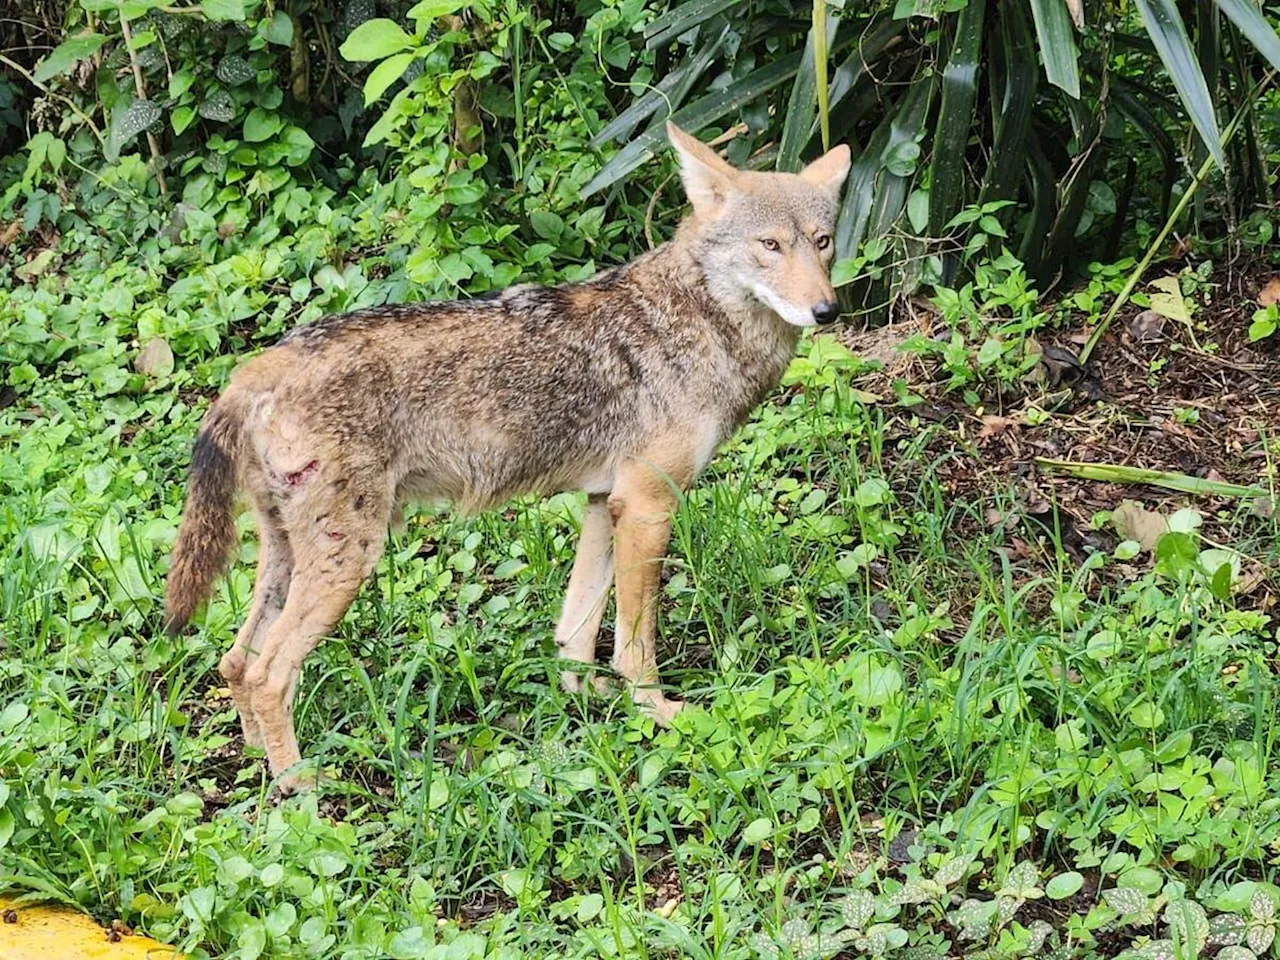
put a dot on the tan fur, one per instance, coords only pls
(621, 386)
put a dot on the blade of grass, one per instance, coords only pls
(1164, 26)
(955, 119)
(821, 64)
(1168, 479)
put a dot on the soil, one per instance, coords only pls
(1194, 399)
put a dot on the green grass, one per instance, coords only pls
(877, 688)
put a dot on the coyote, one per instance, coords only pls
(621, 386)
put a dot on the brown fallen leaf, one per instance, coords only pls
(1270, 293)
(1146, 326)
(155, 360)
(1133, 521)
(993, 425)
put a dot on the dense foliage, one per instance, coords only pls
(910, 739)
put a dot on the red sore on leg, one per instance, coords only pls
(299, 477)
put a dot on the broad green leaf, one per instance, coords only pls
(431, 9)
(1164, 26)
(1064, 885)
(261, 125)
(1057, 45)
(67, 54)
(374, 40)
(280, 29)
(758, 830)
(385, 74)
(228, 10)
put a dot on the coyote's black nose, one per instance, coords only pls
(826, 312)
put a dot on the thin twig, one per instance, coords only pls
(30, 78)
(156, 156)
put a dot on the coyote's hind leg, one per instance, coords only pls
(336, 545)
(271, 586)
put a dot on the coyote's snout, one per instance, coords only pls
(622, 386)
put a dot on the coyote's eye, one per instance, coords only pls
(771, 244)
(822, 241)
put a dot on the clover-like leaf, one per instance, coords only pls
(1226, 929)
(1262, 907)
(1259, 937)
(1188, 922)
(857, 908)
(1125, 900)
(234, 70)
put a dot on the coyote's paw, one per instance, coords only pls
(659, 707)
(293, 782)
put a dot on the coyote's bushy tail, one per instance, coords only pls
(208, 531)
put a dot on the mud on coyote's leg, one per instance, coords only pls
(270, 587)
(641, 506)
(588, 591)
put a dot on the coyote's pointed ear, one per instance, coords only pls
(829, 170)
(707, 178)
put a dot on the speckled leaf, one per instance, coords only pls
(793, 931)
(1188, 922)
(1125, 899)
(137, 117)
(1236, 953)
(234, 70)
(951, 871)
(1007, 908)
(1259, 937)
(1158, 950)
(1039, 932)
(973, 918)
(763, 944)
(918, 891)
(1023, 881)
(1226, 929)
(857, 908)
(1262, 907)
(218, 106)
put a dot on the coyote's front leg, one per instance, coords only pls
(588, 592)
(641, 506)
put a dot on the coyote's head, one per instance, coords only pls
(766, 236)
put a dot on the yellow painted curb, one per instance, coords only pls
(38, 931)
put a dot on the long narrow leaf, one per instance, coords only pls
(1164, 26)
(1250, 21)
(671, 89)
(909, 127)
(694, 117)
(955, 118)
(1170, 480)
(682, 19)
(866, 52)
(798, 123)
(1057, 45)
(863, 195)
(1146, 124)
(1043, 209)
(1011, 110)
